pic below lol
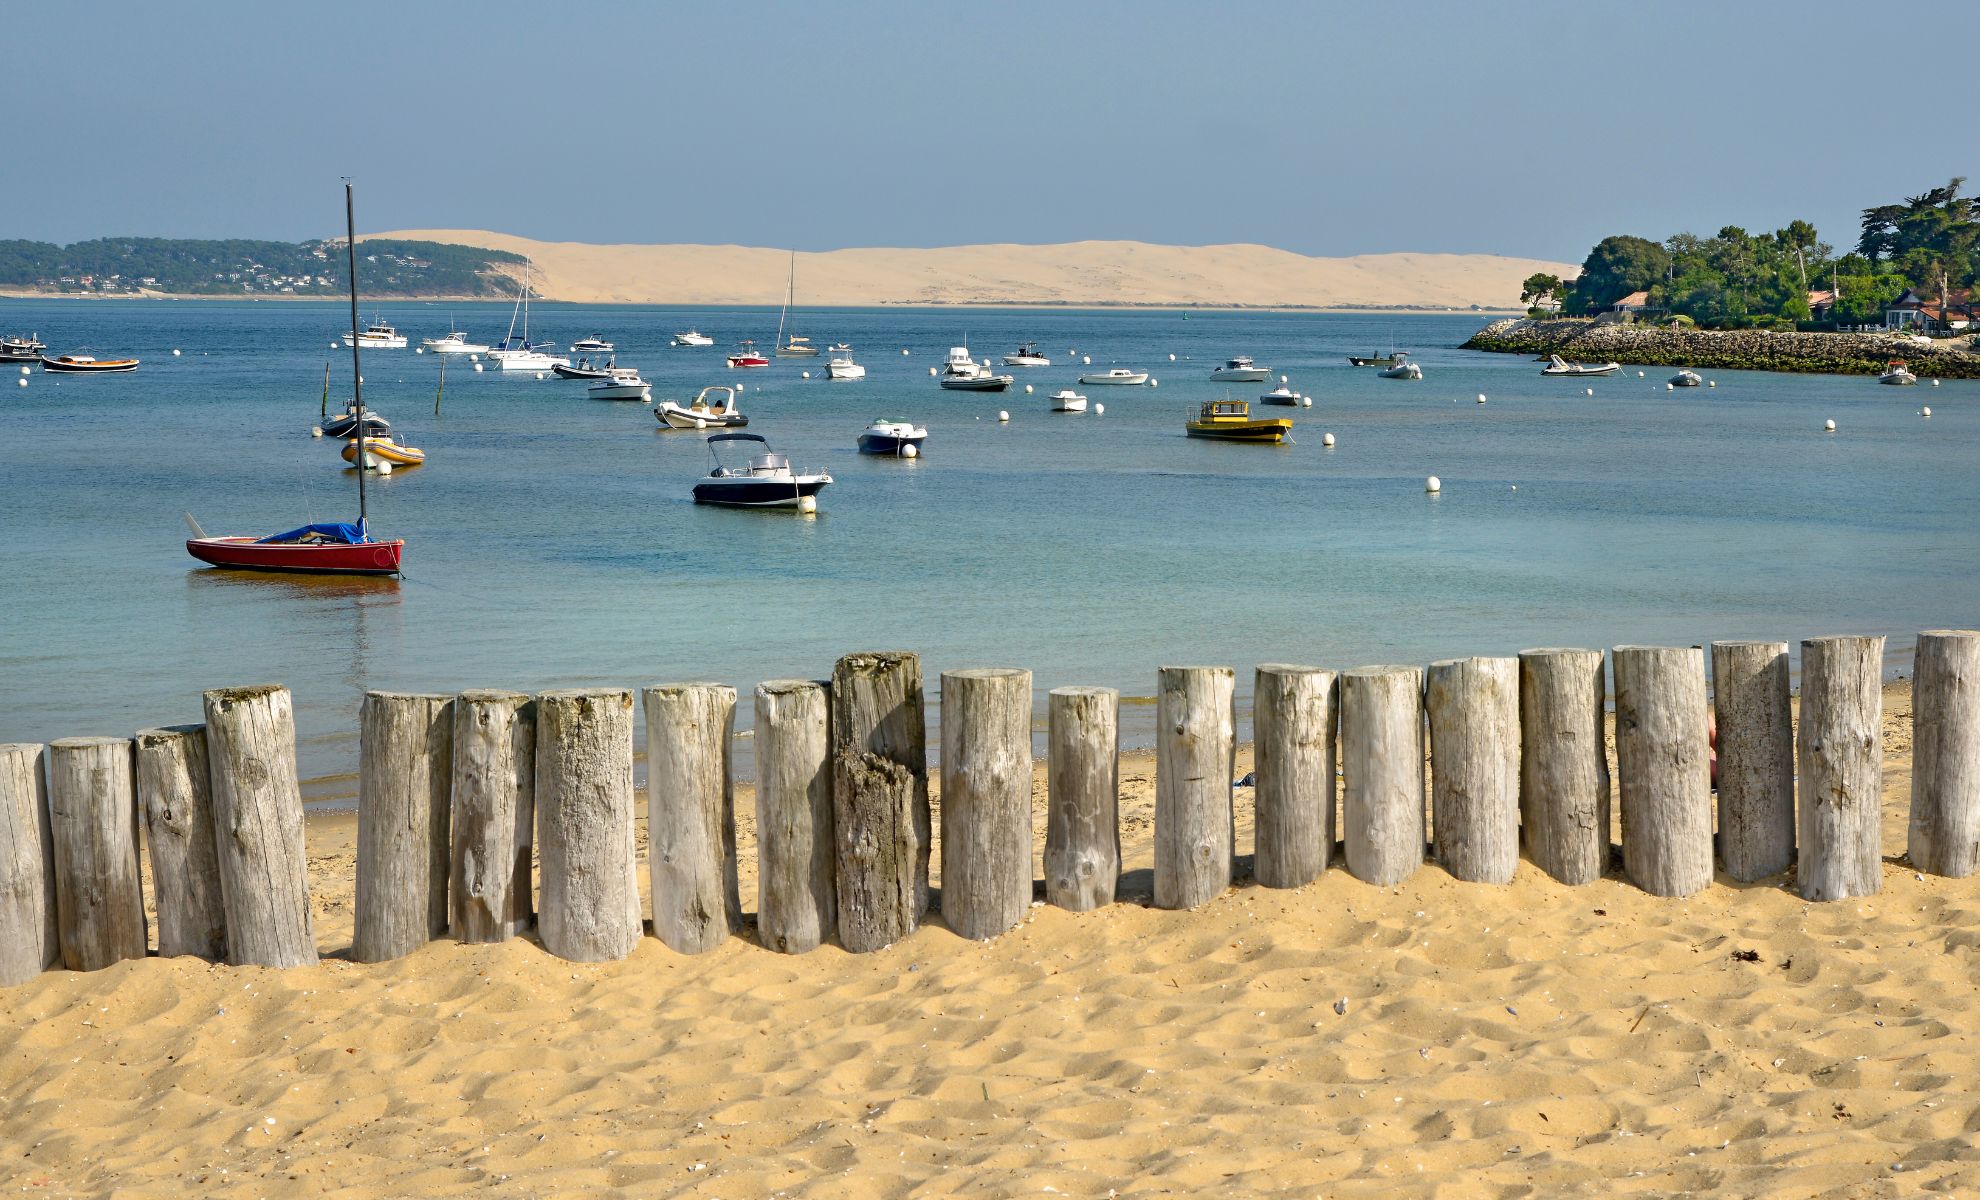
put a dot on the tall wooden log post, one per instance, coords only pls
(175, 797)
(1944, 836)
(589, 910)
(880, 809)
(258, 826)
(1564, 796)
(92, 818)
(405, 802)
(1756, 757)
(1293, 717)
(1082, 823)
(1382, 765)
(1195, 758)
(986, 800)
(493, 816)
(691, 814)
(1840, 809)
(797, 895)
(1665, 762)
(29, 941)
(1474, 766)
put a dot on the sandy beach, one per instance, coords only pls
(1435, 1038)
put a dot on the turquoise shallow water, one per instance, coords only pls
(552, 541)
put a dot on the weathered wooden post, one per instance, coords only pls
(879, 797)
(986, 800)
(29, 941)
(797, 897)
(691, 815)
(493, 815)
(1563, 764)
(1082, 824)
(175, 796)
(1382, 765)
(1756, 757)
(404, 846)
(1945, 767)
(584, 824)
(1840, 809)
(258, 826)
(1293, 717)
(1474, 766)
(1195, 758)
(1664, 759)
(92, 820)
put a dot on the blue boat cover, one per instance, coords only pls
(342, 531)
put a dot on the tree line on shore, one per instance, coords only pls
(1734, 279)
(240, 267)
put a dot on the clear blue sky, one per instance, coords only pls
(1529, 129)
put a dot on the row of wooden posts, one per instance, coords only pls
(455, 791)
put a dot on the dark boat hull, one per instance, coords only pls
(750, 494)
(343, 427)
(996, 383)
(246, 554)
(874, 443)
(578, 372)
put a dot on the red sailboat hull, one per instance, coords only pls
(365, 558)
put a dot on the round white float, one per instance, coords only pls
(1828, 427)
(1100, 408)
(1327, 440)
(1935, 383)
(479, 367)
(1926, 411)
(1002, 415)
(910, 452)
(1087, 361)
(419, 350)
(805, 374)
(539, 374)
(24, 370)
(1481, 397)
(1172, 358)
(1027, 389)
(931, 372)
(1306, 402)
(1590, 391)
(700, 424)
(903, 351)
(175, 354)
(1154, 383)
(1639, 374)
(1433, 485)
(1670, 387)
(383, 467)
(21, 382)
(316, 431)
(807, 504)
(1712, 383)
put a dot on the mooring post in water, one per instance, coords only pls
(691, 814)
(1564, 791)
(29, 940)
(405, 803)
(880, 808)
(1473, 705)
(1195, 758)
(797, 897)
(258, 826)
(584, 824)
(92, 817)
(493, 815)
(1840, 808)
(1294, 712)
(986, 800)
(1751, 711)
(1664, 759)
(175, 798)
(1082, 823)
(1945, 774)
(1382, 766)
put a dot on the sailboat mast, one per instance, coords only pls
(357, 364)
(790, 290)
(525, 304)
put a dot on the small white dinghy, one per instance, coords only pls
(1898, 374)
(1067, 400)
(1403, 369)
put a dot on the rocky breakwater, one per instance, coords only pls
(1584, 340)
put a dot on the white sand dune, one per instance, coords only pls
(1075, 273)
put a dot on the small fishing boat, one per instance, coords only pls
(346, 424)
(454, 343)
(692, 337)
(900, 438)
(703, 413)
(583, 370)
(841, 364)
(1897, 373)
(22, 349)
(621, 383)
(767, 480)
(379, 336)
(1026, 355)
(383, 449)
(982, 381)
(1231, 421)
(1241, 370)
(746, 356)
(1067, 400)
(1403, 369)
(83, 364)
(1378, 360)
(1687, 378)
(1117, 377)
(591, 345)
(1283, 394)
(1559, 367)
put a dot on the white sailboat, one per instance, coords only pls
(794, 346)
(514, 353)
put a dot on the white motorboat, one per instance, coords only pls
(1897, 373)
(1402, 369)
(982, 381)
(1241, 370)
(766, 482)
(713, 408)
(1560, 367)
(900, 438)
(591, 345)
(841, 364)
(22, 349)
(1283, 394)
(378, 336)
(1026, 355)
(1686, 378)
(960, 363)
(515, 353)
(692, 337)
(1117, 377)
(1067, 400)
(454, 343)
(621, 383)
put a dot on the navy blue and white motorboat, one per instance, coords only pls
(344, 424)
(767, 480)
(900, 438)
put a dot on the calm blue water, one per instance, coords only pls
(552, 541)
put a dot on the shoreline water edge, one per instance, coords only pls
(1742, 349)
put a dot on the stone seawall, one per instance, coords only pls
(1580, 340)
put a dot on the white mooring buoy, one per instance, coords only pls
(1154, 383)
(24, 370)
(316, 431)
(1670, 387)
(910, 452)
(931, 372)
(1087, 361)
(1828, 427)
(806, 374)
(1101, 408)
(1639, 374)
(1433, 485)
(1027, 389)
(1712, 383)
(1926, 411)
(904, 353)
(175, 354)
(1935, 383)
(22, 381)
(384, 468)
(1003, 415)
(1306, 402)
(1481, 397)
(1327, 440)
(807, 504)
(1590, 391)
(479, 367)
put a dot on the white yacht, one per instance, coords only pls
(1283, 394)
(621, 383)
(1898, 374)
(692, 337)
(378, 336)
(591, 345)
(514, 353)
(1241, 370)
(454, 343)
(1117, 377)
(1067, 400)
(1403, 369)
(960, 365)
(841, 364)
(1026, 355)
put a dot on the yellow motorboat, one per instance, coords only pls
(1231, 420)
(384, 449)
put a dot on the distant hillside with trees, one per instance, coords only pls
(183, 266)
(1740, 280)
